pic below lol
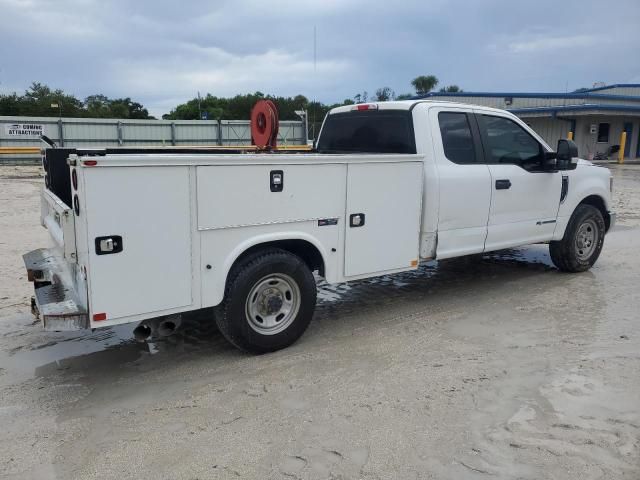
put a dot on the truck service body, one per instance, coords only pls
(141, 235)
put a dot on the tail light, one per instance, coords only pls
(366, 106)
(74, 179)
(76, 205)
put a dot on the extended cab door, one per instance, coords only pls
(464, 182)
(382, 217)
(525, 197)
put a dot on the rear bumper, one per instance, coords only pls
(55, 301)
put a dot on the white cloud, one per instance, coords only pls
(219, 72)
(542, 42)
(545, 43)
(161, 52)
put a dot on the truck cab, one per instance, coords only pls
(142, 235)
(490, 181)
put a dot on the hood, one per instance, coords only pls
(582, 161)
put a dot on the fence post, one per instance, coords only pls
(219, 132)
(173, 134)
(119, 131)
(60, 133)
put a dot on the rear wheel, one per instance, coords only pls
(582, 242)
(269, 301)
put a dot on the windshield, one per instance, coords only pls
(368, 131)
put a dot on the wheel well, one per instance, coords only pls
(307, 251)
(597, 202)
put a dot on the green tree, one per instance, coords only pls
(97, 106)
(451, 89)
(361, 97)
(127, 108)
(238, 107)
(38, 98)
(10, 104)
(424, 83)
(384, 94)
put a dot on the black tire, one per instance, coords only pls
(233, 314)
(570, 254)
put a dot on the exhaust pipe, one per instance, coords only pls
(158, 327)
(169, 325)
(142, 332)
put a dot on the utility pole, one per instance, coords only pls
(58, 105)
(199, 107)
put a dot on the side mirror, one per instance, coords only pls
(566, 154)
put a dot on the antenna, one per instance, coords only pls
(315, 105)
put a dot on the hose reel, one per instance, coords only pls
(264, 124)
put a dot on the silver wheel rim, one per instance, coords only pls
(273, 304)
(587, 238)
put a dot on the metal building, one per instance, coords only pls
(594, 117)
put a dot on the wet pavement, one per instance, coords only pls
(490, 366)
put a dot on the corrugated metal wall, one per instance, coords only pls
(508, 102)
(553, 129)
(89, 132)
(622, 90)
(587, 142)
(550, 129)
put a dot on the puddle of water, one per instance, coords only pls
(28, 354)
(111, 347)
(434, 273)
(528, 256)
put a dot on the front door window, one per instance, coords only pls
(509, 143)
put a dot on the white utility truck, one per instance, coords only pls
(142, 235)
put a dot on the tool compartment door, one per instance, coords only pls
(384, 202)
(149, 209)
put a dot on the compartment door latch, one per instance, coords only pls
(276, 180)
(108, 245)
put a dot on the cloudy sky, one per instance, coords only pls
(162, 52)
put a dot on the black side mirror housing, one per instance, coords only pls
(566, 154)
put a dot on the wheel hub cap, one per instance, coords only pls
(586, 239)
(273, 304)
(270, 303)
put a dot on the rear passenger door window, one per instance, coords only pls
(457, 138)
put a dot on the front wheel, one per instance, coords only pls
(269, 301)
(582, 242)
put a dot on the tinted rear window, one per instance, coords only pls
(456, 137)
(373, 131)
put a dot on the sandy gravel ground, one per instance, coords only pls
(493, 367)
